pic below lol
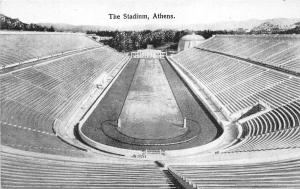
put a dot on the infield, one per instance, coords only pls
(150, 110)
(151, 101)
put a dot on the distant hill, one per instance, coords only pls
(7, 23)
(75, 28)
(297, 24)
(276, 25)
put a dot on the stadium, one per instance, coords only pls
(127, 94)
(78, 114)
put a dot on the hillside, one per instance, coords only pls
(7, 23)
(276, 25)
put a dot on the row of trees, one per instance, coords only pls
(27, 27)
(126, 41)
(133, 40)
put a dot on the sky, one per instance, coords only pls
(95, 12)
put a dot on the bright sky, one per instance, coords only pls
(95, 12)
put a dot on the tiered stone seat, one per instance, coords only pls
(19, 171)
(233, 97)
(238, 84)
(26, 129)
(17, 114)
(292, 65)
(278, 174)
(279, 94)
(29, 95)
(20, 47)
(34, 97)
(35, 140)
(276, 50)
(278, 128)
(61, 83)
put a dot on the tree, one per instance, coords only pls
(51, 29)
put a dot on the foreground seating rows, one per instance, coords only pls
(18, 171)
(278, 174)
